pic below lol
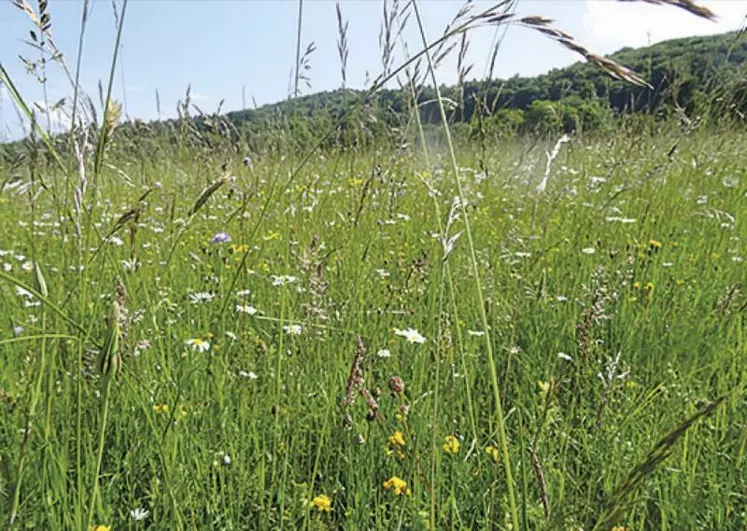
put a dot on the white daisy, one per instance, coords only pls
(245, 308)
(198, 345)
(200, 297)
(412, 335)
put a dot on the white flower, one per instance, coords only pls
(225, 459)
(384, 353)
(139, 514)
(24, 293)
(245, 308)
(198, 345)
(564, 356)
(7, 267)
(116, 240)
(27, 266)
(412, 335)
(230, 335)
(242, 293)
(282, 279)
(477, 333)
(293, 329)
(588, 250)
(130, 265)
(200, 297)
(250, 375)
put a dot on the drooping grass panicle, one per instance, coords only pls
(619, 502)
(687, 5)
(207, 193)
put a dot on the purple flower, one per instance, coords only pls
(221, 237)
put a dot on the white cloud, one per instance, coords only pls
(609, 26)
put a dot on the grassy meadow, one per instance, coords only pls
(615, 309)
(529, 333)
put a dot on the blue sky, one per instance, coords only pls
(224, 46)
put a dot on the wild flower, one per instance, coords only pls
(395, 444)
(321, 503)
(396, 439)
(451, 445)
(201, 297)
(293, 330)
(410, 334)
(396, 385)
(238, 249)
(220, 237)
(24, 293)
(396, 485)
(140, 346)
(139, 514)
(161, 409)
(492, 452)
(588, 250)
(282, 280)
(383, 353)
(248, 375)
(99, 527)
(245, 308)
(198, 345)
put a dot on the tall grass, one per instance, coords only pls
(308, 341)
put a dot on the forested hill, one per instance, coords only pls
(683, 72)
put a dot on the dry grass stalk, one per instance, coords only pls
(540, 475)
(687, 5)
(357, 384)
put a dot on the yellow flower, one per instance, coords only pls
(396, 485)
(655, 244)
(396, 439)
(238, 248)
(272, 235)
(649, 287)
(161, 408)
(101, 528)
(636, 285)
(492, 452)
(181, 412)
(322, 503)
(451, 446)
